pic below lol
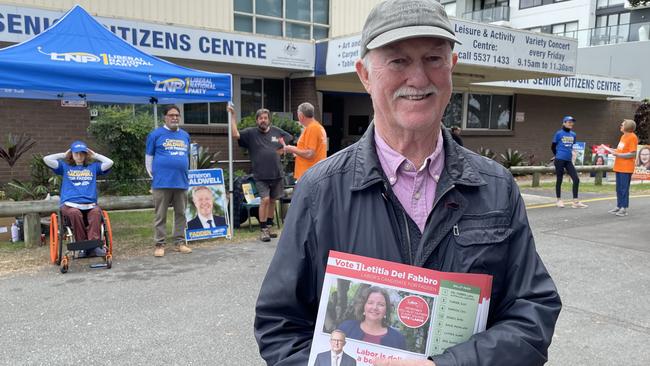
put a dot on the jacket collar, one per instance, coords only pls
(367, 169)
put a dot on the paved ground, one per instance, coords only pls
(198, 309)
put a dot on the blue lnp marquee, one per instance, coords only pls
(78, 58)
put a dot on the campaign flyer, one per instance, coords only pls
(371, 308)
(206, 213)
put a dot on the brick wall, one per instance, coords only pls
(597, 121)
(304, 90)
(52, 126)
(216, 139)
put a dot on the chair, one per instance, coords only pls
(252, 200)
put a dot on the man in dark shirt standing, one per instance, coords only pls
(265, 144)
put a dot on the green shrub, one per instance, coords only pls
(122, 135)
(512, 158)
(206, 159)
(487, 152)
(287, 124)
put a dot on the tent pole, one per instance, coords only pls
(230, 176)
(155, 115)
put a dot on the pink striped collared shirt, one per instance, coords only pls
(415, 188)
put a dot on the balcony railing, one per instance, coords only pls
(499, 13)
(610, 35)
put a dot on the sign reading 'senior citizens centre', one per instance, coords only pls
(18, 24)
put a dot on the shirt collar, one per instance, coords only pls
(204, 219)
(392, 160)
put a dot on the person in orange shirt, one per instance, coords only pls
(625, 154)
(312, 144)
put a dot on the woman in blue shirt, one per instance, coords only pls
(562, 147)
(372, 323)
(79, 189)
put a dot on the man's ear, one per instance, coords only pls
(363, 74)
(454, 60)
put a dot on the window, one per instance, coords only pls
(454, 113)
(608, 3)
(205, 113)
(612, 19)
(524, 4)
(450, 7)
(483, 111)
(478, 111)
(300, 19)
(488, 4)
(565, 29)
(261, 93)
(611, 28)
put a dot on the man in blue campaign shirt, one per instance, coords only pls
(562, 147)
(79, 189)
(167, 162)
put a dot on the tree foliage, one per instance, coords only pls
(287, 124)
(122, 134)
(642, 119)
(635, 3)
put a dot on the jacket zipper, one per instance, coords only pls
(456, 230)
(392, 210)
(442, 195)
(408, 238)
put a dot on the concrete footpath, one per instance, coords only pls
(198, 309)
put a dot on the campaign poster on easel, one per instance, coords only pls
(206, 213)
(642, 163)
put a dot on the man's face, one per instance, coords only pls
(301, 118)
(409, 82)
(173, 119)
(203, 201)
(263, 122)
(337, 341)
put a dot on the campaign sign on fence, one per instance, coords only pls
(206, 213)
(642, 164)
(579, 153)
(394, 311)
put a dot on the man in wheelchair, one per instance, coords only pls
(79, 191)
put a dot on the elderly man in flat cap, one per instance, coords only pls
(406, 192)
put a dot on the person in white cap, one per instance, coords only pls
(406, 192)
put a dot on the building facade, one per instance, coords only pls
(511, 87)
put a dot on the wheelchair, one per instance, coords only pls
(61, 233)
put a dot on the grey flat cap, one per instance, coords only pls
(395, 20)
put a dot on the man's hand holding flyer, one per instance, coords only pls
(387, 310)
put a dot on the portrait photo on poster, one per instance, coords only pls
(206, 213)
(378, 314)
(642, 163)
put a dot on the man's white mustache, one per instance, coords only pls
(414, 92)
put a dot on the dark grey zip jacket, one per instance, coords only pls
(478, 225)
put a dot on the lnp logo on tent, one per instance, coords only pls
(187, 85)
(79, 57)
(104, 58)
(169, 85)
